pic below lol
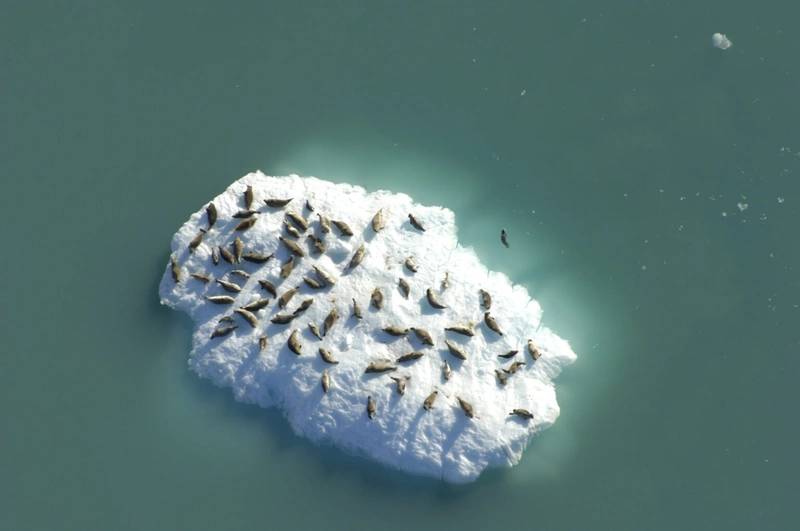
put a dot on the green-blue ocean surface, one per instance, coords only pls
(648, 182)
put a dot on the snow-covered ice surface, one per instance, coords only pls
(442, 442)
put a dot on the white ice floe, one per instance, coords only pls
(721, 41)
(442, 442)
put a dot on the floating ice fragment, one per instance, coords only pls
(742, 206)
(721, 41)
(271, 355)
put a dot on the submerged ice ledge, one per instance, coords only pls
(363, 412)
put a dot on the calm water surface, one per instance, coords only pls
(648, 181)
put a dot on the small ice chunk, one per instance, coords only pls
(721, 41)
(252, 353)
(742, 206)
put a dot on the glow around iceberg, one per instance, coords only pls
(354, 318)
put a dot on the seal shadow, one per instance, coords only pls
(454, 362)
(426, 308)
(452, 436)
(385, 338)
(489, 335)
(368, 234)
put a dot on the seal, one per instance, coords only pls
(277, 203)
(282, 318)
(423, 335)
(238, 249)
(257, 258)
(433, 300)
(522, 413)
(357, 310)
(248, 197)
(269, 287)
(211, 214)
(447, 372)
(324, 224)
(256, 305)
(509, 354)
(284, 299)
(303, 307)
(312, 283)
(293, 232)
(326, 381)
(427, 405)
(294, 343)
(229, 286)
(344, 228)
(376, 299)
(404, 288)
(411, 264)
(371, 409)
(395, 331)
(514, 367)
(534, 351)
(486, 299)
(491, 323)
(415, 223)
(501, 376)
(378, 221)
(411, 356)
(246, 224)
(464, 330)
(326, 277)
(239, 273)
(215, 256)
(314, 331)
(400, 382)
(222, 331)
(242, 214)
(358, 256)
(317, 244)
(299, 221)
(330, 320)
(287, 267)
(380, 366)
(292, 246)
(196, 240)
(251, 319)
(175, 268)
(455, 350)
(201, 277)
(227, 255)
(326, 356)
(504, 237)
(220, 299)
(466, 407)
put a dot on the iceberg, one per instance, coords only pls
(352, 317)
(721, 41)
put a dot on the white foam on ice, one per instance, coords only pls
(442, 442)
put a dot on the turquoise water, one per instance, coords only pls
(609, 141)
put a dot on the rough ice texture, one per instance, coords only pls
(721, 41)
(442, 442)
